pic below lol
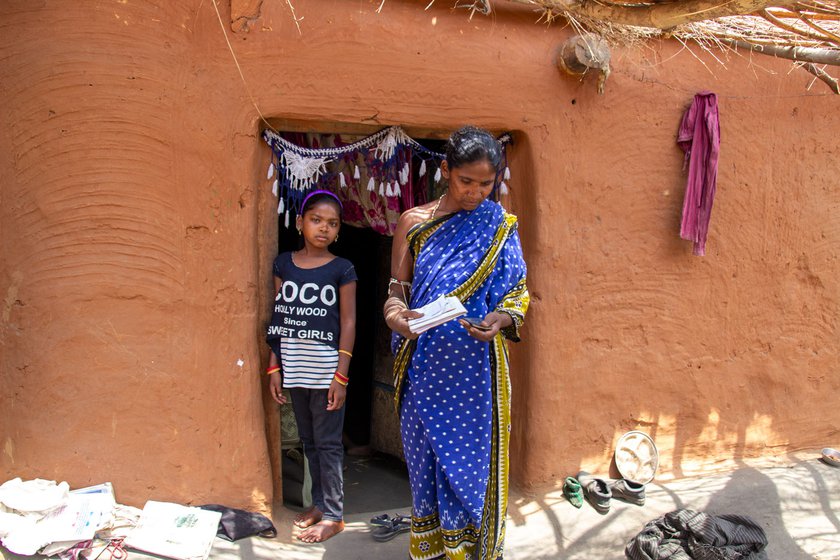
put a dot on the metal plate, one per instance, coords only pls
(831, 456)
(636, 457)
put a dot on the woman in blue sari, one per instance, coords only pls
(453, 388)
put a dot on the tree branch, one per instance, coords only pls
(660, 16)
(830, 37)
(787, 27)
(824, 76)
(799, 54)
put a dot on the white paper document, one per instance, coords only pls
(436, 313)
(175, 531)
(75, 517)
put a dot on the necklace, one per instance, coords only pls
(434, 211)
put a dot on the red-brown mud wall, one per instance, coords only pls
(136, 226)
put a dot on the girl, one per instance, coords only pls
(453, 380)
(312, 331)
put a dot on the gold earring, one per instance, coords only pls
(300, 231)
(336, 238)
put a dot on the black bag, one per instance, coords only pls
(237, 523)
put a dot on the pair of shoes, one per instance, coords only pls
(573, 491)
(627, 491)
(389, 527)
(596, 491)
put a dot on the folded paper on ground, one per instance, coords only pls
(436, 313)
(175, 531)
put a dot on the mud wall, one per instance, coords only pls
(137, 229)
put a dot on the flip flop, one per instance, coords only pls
(396, 526)
(573, 491)
(385, 520)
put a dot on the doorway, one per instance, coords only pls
(376, 478)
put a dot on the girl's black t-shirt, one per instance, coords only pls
(307, 305)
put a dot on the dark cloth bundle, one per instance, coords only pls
(691, 535)
(237, 523)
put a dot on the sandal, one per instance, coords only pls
(396, 525)
(384, 520)
(573, 491)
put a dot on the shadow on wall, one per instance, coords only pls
(713, 357)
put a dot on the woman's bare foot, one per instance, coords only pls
(321, 531)
(308, 518)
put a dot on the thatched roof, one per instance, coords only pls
(806, 32)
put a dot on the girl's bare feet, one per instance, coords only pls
(308, 518)
(321, 531)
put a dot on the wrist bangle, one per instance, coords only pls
(342, 380)
(271, 370)
(349, 354)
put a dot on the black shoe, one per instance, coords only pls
(627, 491)
(596, 491)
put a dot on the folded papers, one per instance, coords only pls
(441, 310)
(175, 531)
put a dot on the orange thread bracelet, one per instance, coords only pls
(271, 370)
(342, 379)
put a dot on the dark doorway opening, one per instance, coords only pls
(375, 476)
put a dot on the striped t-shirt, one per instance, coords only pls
(307, 364)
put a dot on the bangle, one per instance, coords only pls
(349, 354)
(342, 380)
(271, 370)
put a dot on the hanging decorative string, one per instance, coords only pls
(389, 155)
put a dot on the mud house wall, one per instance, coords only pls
(135, 229)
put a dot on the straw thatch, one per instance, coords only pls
(806, 32)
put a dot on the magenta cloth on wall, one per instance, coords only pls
(699, 137)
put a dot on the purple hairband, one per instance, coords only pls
(321, 191)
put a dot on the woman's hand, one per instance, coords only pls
(398, 322)
(275, 387)
(493, 323)
(336, 395)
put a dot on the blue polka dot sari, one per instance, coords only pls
(453, 391)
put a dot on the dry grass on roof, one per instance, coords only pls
(807, 33)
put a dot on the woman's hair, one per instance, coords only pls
(470, 144)
(315, 197)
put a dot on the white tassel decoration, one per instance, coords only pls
(397, 191)
(381, 189)
(270, 173)
(287, 219)
(371, 184)
(357, 175)
(389, 191)
(422, 168)
(507, 173)
(437, 175)
(274, 187)
(503, 189)
(281, 206)
(342, 180)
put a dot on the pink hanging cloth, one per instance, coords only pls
(699, 137)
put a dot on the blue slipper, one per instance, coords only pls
(398, 524)
(385, 520)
